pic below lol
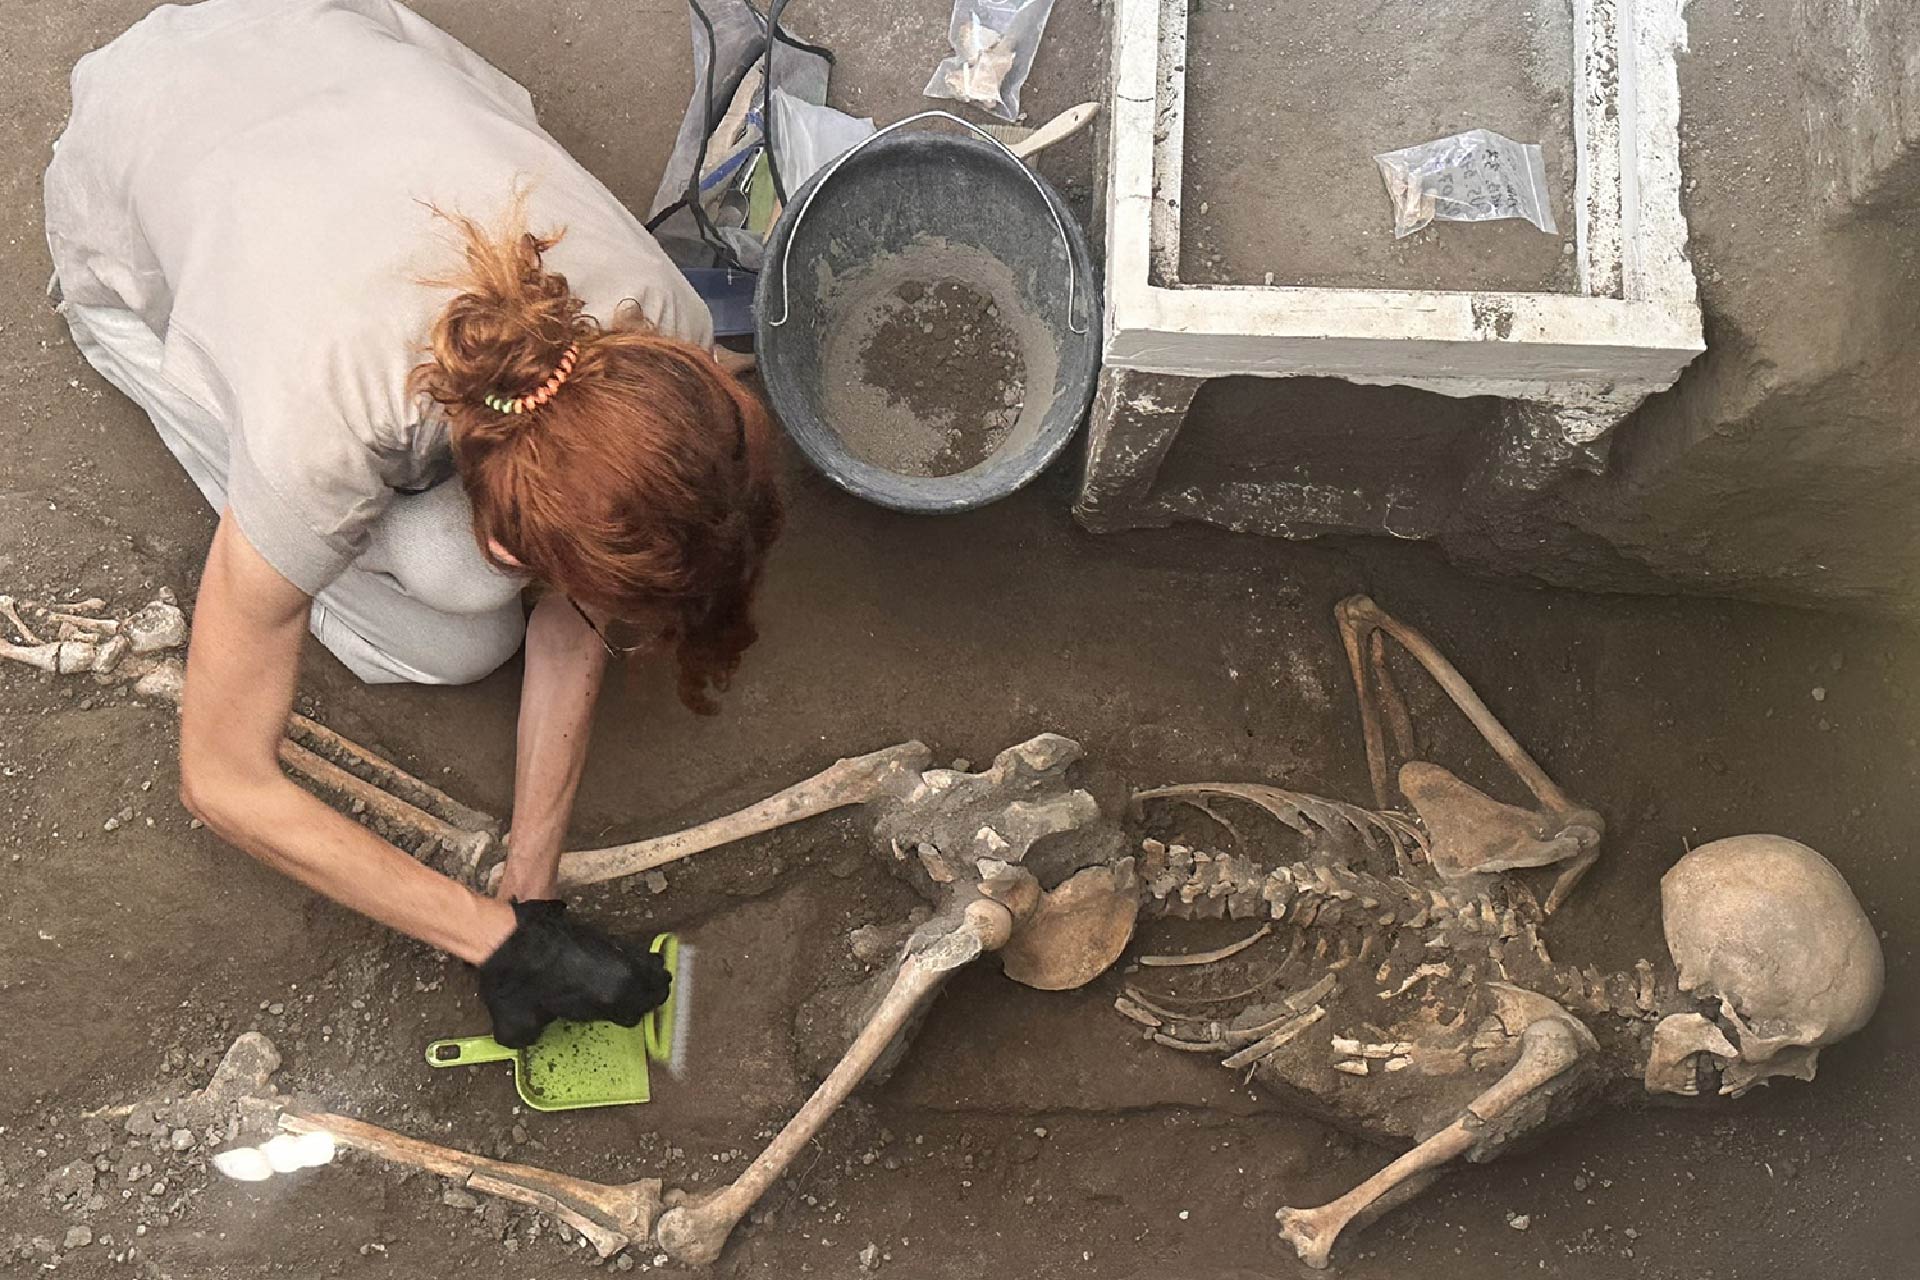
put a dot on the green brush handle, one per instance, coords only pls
(467, 1050)
(659, 1024)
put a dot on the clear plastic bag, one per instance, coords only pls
(1476, 176)
(807, 136)
(993, 46)
(701, 208)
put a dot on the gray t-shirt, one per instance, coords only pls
(256, 180)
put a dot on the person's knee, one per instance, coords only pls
(472, 658)
(425, 543)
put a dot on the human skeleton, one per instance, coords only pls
(1398, 981)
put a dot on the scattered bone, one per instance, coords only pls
(12, 615)
(1643, 997)
(156, 626)
(1132, 1011)
(1351, 1066)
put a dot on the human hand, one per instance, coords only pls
(550, 967)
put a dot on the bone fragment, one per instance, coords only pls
(1676, 1041)
(65, 657)
(1288, 1031)
(79, 622)
(12, 615)
(1548, 1047)
(1351, 1066)
(610, 1217)
(1134, 1013)
(696, 1230)
(856, 780)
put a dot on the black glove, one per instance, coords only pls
(551, 968)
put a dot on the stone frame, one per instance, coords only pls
(1571, 364)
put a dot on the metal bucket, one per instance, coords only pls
(914, 210)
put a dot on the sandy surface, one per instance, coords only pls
(925, 364)
(130, 958)
(1288, 102)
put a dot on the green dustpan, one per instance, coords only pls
(580, 1064)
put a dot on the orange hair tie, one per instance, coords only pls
(541, 394)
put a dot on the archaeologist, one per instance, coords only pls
(422, 363)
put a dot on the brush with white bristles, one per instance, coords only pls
(670, 1026)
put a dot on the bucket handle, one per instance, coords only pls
(786, 250)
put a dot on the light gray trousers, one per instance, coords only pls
(420, 606)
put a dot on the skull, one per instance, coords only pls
(1768, 928)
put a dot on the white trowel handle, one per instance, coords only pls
(1058, 129)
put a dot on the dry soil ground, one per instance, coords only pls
(1027, 1134)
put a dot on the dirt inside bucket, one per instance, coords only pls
(927, 363)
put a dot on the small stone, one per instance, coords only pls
(455, 1198)
(111, 824)
(870, 1258)
(1183, 1215)
(159, 1187)
(1631, 1234)
(1581, 1182)
(1040, 1131)
(1819, 694)
(181, 1140)
(873, 944)
(78, 1237)
(276, 1008)
(656, 881)
(623, 1263)
(1519, 1221)
(520, 1133)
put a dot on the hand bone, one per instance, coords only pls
(1548, 1048)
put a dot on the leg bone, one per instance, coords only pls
(1547, 1048)
(611, 1217)
(695, 1231)
(846, 782)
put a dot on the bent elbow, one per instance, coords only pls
(213, 791)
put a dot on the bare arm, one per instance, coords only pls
(242, 665)
(565, 663)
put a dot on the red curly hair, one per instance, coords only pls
(642, 489)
